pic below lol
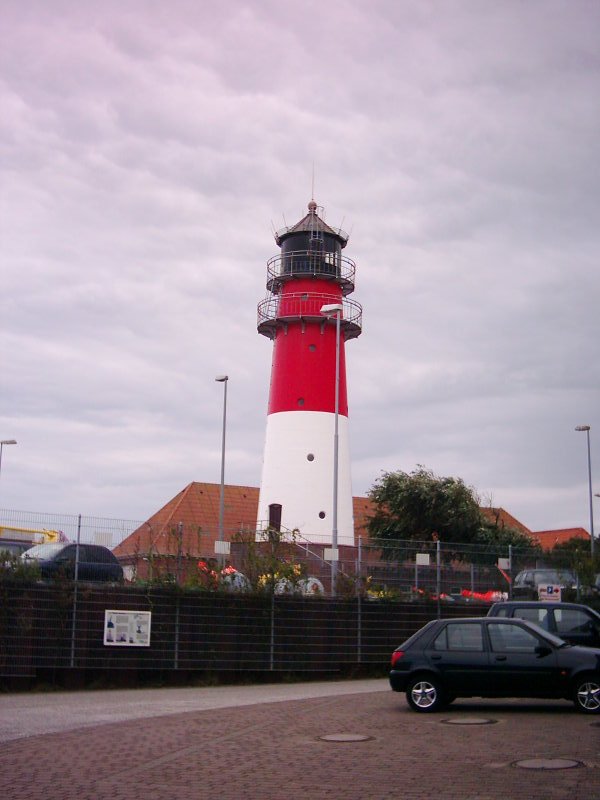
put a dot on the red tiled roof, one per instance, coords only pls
(196, 508)
(363, 508)
(548, 539)
(503, 519)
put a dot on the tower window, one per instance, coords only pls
(312, 347)
(310, 457)
(300, 401)
(321, 515)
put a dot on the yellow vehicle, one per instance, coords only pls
(16, 540)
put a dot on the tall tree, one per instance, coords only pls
(575, 553)
(420, 505)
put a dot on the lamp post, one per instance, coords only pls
(335, 310)
(586, 428)
(2, 443)
(222, 379)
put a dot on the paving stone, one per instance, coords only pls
(273, 751)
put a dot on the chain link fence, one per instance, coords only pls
(266, 604)
(92, 530)
(401, 570)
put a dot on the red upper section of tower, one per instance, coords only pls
(309, 273)
(303, 367)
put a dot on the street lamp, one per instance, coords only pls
(2, 443)
(222, 379)
(586, 428)
(335, 310)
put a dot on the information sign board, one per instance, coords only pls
(127, 628)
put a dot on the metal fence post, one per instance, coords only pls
(76, 577)
(438, 581)
(176, 654)
(272, 645)
(359, 603)
(510, 572)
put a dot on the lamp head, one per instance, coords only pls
(8, 441)
(582, 428)
(222, 378)
(331, 309)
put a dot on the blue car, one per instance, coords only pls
(96, 563)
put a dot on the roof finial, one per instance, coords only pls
(312, 206)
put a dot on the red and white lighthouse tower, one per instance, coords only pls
(302, 453)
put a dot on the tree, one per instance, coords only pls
(495, 537)
(575, 554)
(423, 506)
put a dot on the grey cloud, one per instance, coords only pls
(147, 149)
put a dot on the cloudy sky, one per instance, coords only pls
(149, 148)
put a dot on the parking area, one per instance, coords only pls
(329, 740)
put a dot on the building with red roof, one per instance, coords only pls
(188, 525)
(549, 539)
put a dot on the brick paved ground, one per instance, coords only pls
(272, 752)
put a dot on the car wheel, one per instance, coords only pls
(587, 695)
(424, 694)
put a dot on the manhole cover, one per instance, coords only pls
(547, 763)
(345, 737)
(469, 721)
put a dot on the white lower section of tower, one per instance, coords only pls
(298, 474)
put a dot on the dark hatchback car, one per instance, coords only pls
(493, 657)
(96, 563)
(575, 623)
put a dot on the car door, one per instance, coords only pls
(522, 664)
(457, 652)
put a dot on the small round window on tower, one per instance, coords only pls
(312, 347)
(300, 401)
(321, 515)
(310, 457)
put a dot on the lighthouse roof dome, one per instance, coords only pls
(312, 222)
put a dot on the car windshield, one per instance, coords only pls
(556, 641)
(43, 551)
(13, 548)
(552, 576)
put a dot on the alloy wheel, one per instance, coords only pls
(424, 695)
(588, 696)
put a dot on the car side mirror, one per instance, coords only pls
(542, 650)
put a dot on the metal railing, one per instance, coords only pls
(307, 263)
(276, 310)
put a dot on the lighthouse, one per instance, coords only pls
(309, 316)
